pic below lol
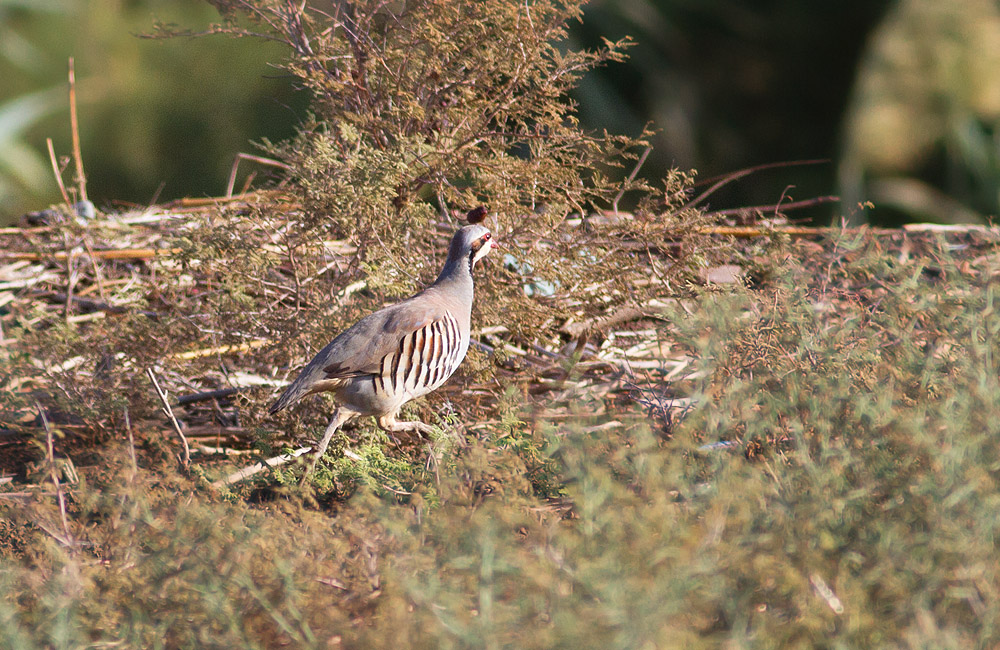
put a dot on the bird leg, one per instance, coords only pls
(340, 416)
(388, 423)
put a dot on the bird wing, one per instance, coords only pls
(359, 350)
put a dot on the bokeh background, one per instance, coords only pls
(902, 97)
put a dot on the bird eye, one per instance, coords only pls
(487, 236)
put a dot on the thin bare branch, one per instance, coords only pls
(66, 538)
(256, 468)
(56, 172)
(631, 177)
(169, 412)
(231, 184)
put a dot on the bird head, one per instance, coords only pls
(473, 243)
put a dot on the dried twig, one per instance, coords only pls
(721, 181)
(793, 231)
(67, 536)
(631, 177)
(57, 172)
(78, 177)
(256, 468)
(169, 412)
(131, 446)
(951, 228)
(257, 159)
(93, 305)
(222, 349)
(71, 277)
(783, 207)
(622, 315)
(119, 254)
(200, 202)
(18, 230)
(98, 274)
(210, 394)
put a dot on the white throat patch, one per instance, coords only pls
(483, 251)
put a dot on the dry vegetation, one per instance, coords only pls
(639, 452)
(810, 458)
(217, 306)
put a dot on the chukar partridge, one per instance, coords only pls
(399, 352)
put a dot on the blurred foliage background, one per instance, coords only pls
(157, 117)
(902, 96)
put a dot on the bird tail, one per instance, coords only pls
(292, 394)
(310, 381)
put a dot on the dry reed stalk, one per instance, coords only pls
(78, 177)
(119, 254)
(222, 349)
